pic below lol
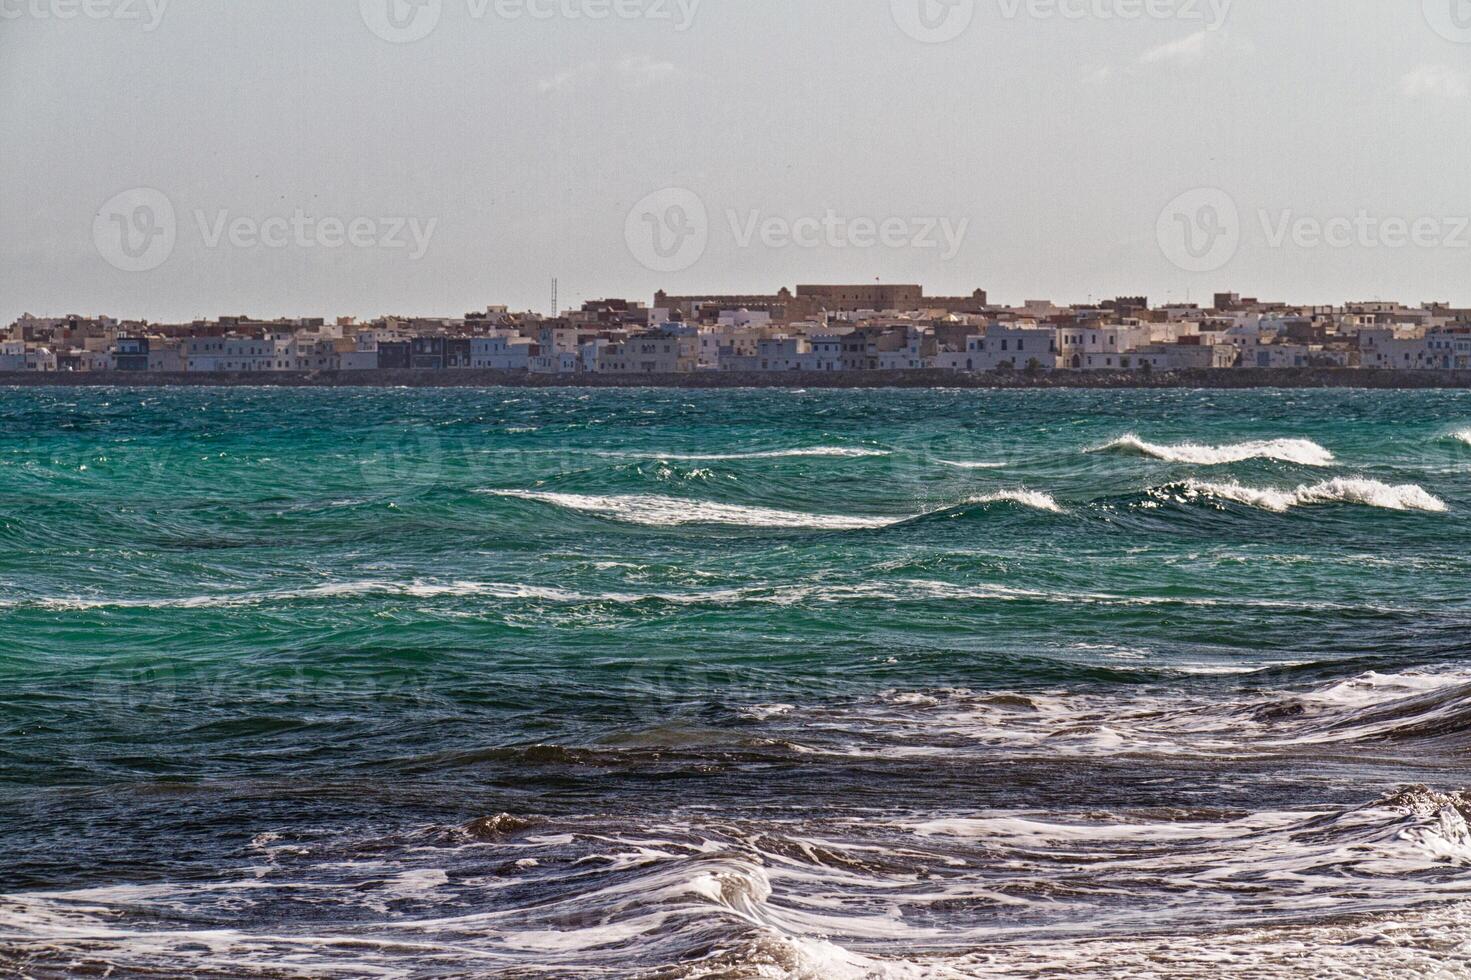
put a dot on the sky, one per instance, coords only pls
(175, 159)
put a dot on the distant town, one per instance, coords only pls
(810, 330)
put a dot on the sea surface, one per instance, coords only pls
(673, 684)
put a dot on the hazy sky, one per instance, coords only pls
(1314, 150)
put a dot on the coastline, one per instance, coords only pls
(1225, 378)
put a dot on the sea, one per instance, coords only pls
(672, 684)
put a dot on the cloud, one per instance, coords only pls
(634, 72)
(564, 81)
(1436, 82)
(641, 71)
(1186, 51)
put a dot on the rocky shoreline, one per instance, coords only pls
(1224, 378)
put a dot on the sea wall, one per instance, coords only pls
(1219, 378)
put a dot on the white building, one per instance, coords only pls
(1388, 349)
(1101, 347)
(1012, 346)
(1450, 351)
(910, 357)
(16, 356)
(1182, 357)
(239, 355)
(768, 354)
(1277, 356)
(651, 354)
(363, 356)
(501, 353)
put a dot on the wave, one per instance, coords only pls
(1302, 451)
(960, 465)
(817, 452)
(1362, 492)
(1423, 709)
(1025, 498)
(982, 892)
(797, 594)
(1462, 436)
(330, 590)
(653, 511)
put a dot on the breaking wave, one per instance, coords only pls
(1302, 451)
(654, 511)
(1391, 711)
(1034, 499)
(1462, 436)
(1362, 492)
(979, 893)
(817, 452)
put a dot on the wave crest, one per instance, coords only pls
(652, 511)
(1363, 492)
(963, 465)
(1034, 499)
(816, 452)
(1302, 451)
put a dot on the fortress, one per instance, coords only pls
(812, 301)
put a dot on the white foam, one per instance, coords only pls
(674, 512)
(960, 465)
(1026, 498)
(1358, 892)
(1302, 451)
(1363, 492)
(816, 452)
(330, 590)
(1463, 436)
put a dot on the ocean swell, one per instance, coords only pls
(1301, 451)
(652, 511)
(1358, 491)
(655, 511)
(816, 452)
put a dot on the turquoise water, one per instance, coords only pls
(679, 684)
